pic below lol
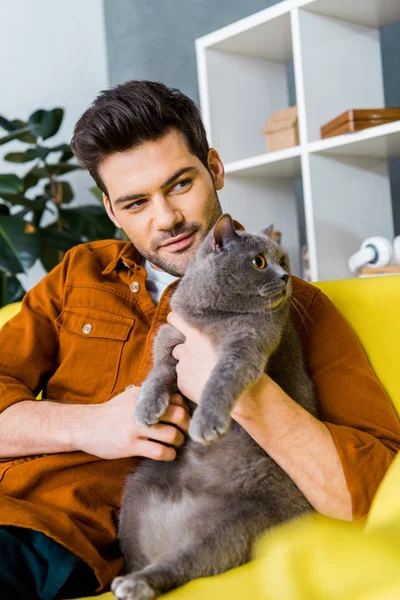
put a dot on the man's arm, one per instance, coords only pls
(106, 430)
(301, 445)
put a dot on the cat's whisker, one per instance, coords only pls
(305, 312)
(295, 303)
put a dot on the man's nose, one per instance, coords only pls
(166, 217)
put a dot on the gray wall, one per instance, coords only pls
(154, 39)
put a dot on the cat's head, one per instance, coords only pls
(250, 270)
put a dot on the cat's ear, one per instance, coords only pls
(269, 230)
(238, 226)
(223, 232)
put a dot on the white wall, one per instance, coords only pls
(53, 53)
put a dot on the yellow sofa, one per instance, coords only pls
(316, 558)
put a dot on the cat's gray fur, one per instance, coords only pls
(200, 514)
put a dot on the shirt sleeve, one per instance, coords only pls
(29, 342)
(353, 403)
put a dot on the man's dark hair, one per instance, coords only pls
(134, 112)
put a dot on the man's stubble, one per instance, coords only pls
(180, 259)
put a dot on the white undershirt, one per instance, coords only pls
(157, 281)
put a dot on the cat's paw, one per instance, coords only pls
(208, 426)
(151, 405)
(132, 587)
(148, 411)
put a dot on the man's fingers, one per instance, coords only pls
(153, 450)
(178, 400)
(177, 415)
(164, 433)
(177, 351)
(176, 321)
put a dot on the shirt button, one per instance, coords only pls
(134, 286)
(87, 328)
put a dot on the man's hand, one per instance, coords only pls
(109, 431)
(196, 358)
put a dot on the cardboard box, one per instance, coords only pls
(358, 119)
(282, 129)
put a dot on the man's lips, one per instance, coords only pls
(178, 242)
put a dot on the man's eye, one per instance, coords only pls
(184, 183)
(134, 205)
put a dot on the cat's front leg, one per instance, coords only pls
(241, 362)
(157, 388)
(132, 587)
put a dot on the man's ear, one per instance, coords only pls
(216, 168)
(109, 211)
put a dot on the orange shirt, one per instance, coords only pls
(86, 331)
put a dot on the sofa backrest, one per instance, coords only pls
(372, 307)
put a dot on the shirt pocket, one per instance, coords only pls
(91, 345)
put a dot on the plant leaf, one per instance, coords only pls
(14, 135)
(17, 157)
(89, 222)
(27, 137)
(46, 123)
(30, 154)
(49, 257)
(66, 155)
(67, 193)
(58, 169)
(14, 291)
(97, 193)
(16, 199)
(18, 250)
(61, 240)
(61, 148)
(30, 179)
(6, 124)
(10, 184)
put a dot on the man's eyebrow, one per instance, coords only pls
(177, 174)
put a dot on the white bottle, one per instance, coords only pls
(396, 250)
(375, 251)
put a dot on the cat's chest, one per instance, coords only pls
(224, 466)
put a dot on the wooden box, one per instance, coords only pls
(357, 119)
(282, 129)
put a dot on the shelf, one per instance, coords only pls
(283, 164)
(328, 194)
(382, 141)
(263, 35)
(371, 13)
(348, 72)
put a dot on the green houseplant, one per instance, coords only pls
(36, 221)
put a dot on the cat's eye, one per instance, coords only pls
(282, 262)
(259, 262)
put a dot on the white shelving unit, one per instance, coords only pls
(242, 70)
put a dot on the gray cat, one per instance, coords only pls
(200, 514)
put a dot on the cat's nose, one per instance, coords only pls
(285, 277)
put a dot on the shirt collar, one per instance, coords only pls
(128, 254)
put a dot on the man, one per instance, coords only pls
(84, 337)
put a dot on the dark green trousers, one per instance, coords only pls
(35, 567)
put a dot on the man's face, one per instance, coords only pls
(159, 191)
